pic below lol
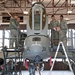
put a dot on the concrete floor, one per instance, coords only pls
(50, 73)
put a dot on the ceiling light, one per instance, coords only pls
(25, 12)
(69, 11)
(72, 1)
(66, 18)
(34, 2)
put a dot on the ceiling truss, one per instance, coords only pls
(57, 7)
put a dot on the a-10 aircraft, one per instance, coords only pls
(37, 43)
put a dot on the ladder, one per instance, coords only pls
(61, 43)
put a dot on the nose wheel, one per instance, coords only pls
(32, 66)
(31, 69)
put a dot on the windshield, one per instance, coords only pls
(37, 21)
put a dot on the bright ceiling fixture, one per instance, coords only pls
(72, 1)
(25, 12)
(67, 18)
(34, 2)
(69, 11)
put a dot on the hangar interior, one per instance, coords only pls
(56, 7)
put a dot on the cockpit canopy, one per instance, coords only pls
(37, 16)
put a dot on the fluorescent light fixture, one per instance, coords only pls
(69, 11)
(66, 18)
(72, 1)
(25, 12)
(34, 2)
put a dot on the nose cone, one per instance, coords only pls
(36, 48)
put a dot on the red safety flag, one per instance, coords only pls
(50, 61)
(26, 63)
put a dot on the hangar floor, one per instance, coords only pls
(48, 73)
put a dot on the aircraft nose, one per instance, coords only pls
(36, 48)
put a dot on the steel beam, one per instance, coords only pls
(48, 3)
(57, 2)
(59, 8)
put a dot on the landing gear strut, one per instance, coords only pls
(31, 69)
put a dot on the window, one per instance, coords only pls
(37, 21)
(36, 39)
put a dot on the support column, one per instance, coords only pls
(0, 20)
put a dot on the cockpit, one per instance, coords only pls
(36, 20)
(37, 17)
